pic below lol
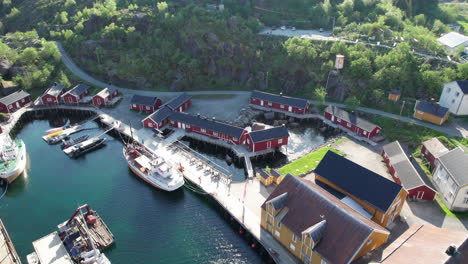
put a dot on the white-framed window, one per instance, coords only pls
(338, 120)
(449, 90)
(203, 130)
(280, 141)
(348, 124)
(278, 224)
(365, 133)
(270, 104)
(187, 126)
(292, 246)
(150, 124)
(10, 106)
(457, 94)
(294, 238)
(453, 101)
(465, 200)
(248, 142)
(23, 100)
(215, 134)
(134, 106)
(49, 99)
(148, 108)
(281, 106)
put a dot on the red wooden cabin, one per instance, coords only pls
(147, 104)
(158, 119)
(180, 103)
(53, 94)
(75, 95)
(105, 96)
(267, 138)
(279, 102)
(432, 149)
(14, 101)
(352, 122)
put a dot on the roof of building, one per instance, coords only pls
(143, 100)
(456, 163)
(160, 114)
(351, 118)
(209, 124)
(279, 99)
(463, 86)
(431, 108)
(453, 39)
(78, 90)
(275, 173)
(435, 147)
(104, 93)
(395, 92)
(422, 244)
(265, 175)
(50, 249)
(269, 133)
(178, 100)
(55, 89)
(8, 84)
(308, 204)
(360, 182)
(409, 175)
(14, 97)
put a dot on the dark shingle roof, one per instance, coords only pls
(410, 174)
(345, 230)
(432, 108)
(297, 102)
(56, 89)
(79, 89)
(456, 162)
(351, 118)
(360, 182)
(144, 100)
(395, 92)
(279, 201)
(316, 231)
(208, 124)
(463, 86)
(178, 100)
(269, 133)
(160, 114)
(14, 97)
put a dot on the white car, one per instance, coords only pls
(283, 28)
(293, 28)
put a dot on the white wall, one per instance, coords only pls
(463, 110)
(449, 98)
(445, 184)
(459, 199)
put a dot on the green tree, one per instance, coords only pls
(361, 68)
(301, 50)
(320, 95)
(28, 56)
(63, 17)
(463, 71)
(162, 7)
(352, 102)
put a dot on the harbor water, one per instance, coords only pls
(149, 225)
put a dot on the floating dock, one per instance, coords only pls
(50, 250)
(8, 254)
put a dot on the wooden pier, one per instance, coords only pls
(8, 254)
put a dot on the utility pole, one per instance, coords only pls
(267, 80)
(403, 105)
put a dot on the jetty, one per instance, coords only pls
(8, 254)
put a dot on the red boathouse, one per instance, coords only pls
(53, 94)
(279, 102)
(105, 96)
(147, 104)
(267, 138)
(407, 172)
(158, 119)
(75, 95)
(180, 103)
(14, 101)
(352, 122)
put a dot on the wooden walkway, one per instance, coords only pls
(8, 254)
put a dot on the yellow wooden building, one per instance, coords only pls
(268, 178)
(394, 95)
(317, 227)
(432, 112)
(381, 198)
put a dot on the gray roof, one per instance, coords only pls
(14, 97)
(435, 147)
(264, 174)
(316, 231)
(409, 175)
(144, 100)
(279, 99)
(456, 163)
(351, 118)
(269, 133)
(106, 92)
(177, 101)
(56, 89)
(160, 114)
(453, 39)
(78, 90)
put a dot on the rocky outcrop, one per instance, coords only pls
(246, 116)
(5, 66)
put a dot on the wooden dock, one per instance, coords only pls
(99, 233)
(8, 254)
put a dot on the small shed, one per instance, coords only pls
(180, 103)
(53, 94)
(352, 122)
(432, 112)
(158, 119)
(75, 95)
(407, 173)
(14, 101)
(265, 177)
(432, 149)
(147, 104)
(105, 96)
(267, 138)
(394, 95)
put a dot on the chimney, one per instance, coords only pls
(451, 250)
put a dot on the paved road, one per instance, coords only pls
(451, 130)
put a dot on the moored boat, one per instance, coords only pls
(58, 136)
(66, 143)
(84, 147)
(12, 158)
(152, 169)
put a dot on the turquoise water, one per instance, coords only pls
(150, 226)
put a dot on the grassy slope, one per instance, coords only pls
(307, 162)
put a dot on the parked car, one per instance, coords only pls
(321, 29)
(293, 28)
(273, 27)
(283, 28)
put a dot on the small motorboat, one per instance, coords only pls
(66, 143)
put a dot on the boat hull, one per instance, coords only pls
(142, 176)
(12, 175)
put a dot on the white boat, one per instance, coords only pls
(153, 169)
(58, 136)
(12, 158)
(83, 147)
